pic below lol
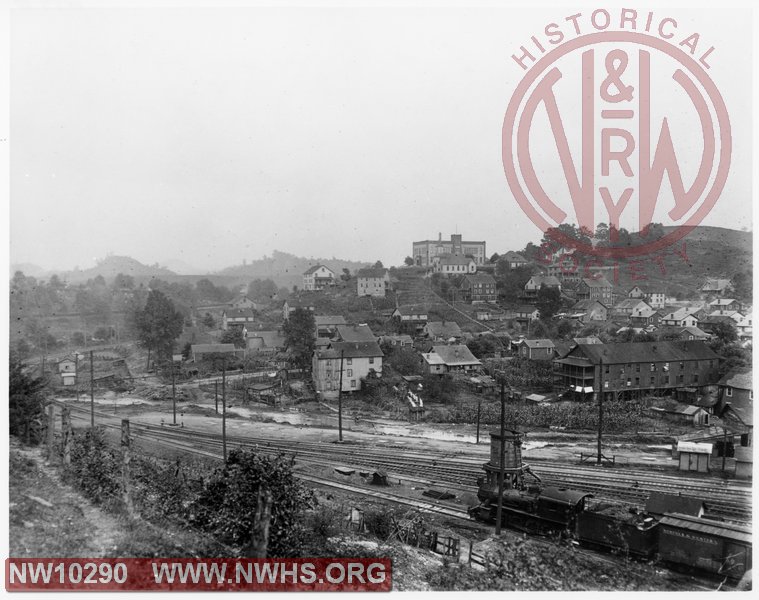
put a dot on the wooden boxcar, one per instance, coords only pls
(716, 547)
(634, 534)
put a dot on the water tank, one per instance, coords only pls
(512, 450)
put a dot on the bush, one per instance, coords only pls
(380, 522)
(227, 503)
(26, 402)
(95, 468)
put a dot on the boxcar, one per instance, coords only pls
(608, 528)
(716, 547)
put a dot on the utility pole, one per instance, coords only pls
(216, 395)
(224, 408)
(76, 374)
(340, 400)
(479, 406)
(92, 390)
(600, 408)
(173, 391)
(501, 474)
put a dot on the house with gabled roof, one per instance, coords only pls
(242, 302)
(590, 288)
(586, 311)
(292, 304)
(449, 359)
(326, 325)
(372, 282)
(534, 283)
(454, 264)
(625, 308)
(514, 259)
(645, 317)
(442, 331)
(356, 360)
(237, 317)
(694, 333)
(736, 402)
(478, 287)
(265, 342)
(355, 333)
(318, 278)
(537, 349)
(411, 318)
(202, 351)
(728, 304)
(716, 287)
(526, 313)
(682, 317)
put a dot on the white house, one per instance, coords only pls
(358, 360)
(372, 282)
(453, 264)
(317, 278)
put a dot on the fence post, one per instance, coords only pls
(125, 456)
(469, 558)
(66, 435)
(50, 429)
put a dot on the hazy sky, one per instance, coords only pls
(217, 135)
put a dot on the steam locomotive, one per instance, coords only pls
(681, 540)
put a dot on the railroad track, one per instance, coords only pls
(208, 446)
(631, 486)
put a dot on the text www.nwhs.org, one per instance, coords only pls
(358, 574)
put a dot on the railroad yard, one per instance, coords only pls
(428, 468)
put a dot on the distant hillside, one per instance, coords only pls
(286, 270)
(111, 266)
(30, 270)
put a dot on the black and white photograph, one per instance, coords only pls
(379, 296)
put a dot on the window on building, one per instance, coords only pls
(353, 383)
(350, 361)
(371, 360)
(666, 380)
(606, 368)
(350, 372)
(637, 381)
(695, 377)
(680, 378)
(606, 384)
(729, 392)
(653, 367)
(653, 380)
(682, 366)
(629, 382)
(637, 368)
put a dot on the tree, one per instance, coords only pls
(26, 402)
(346, 274)
(495, 258)
(158, 325)
(208, 321)
(262, 290)
(233, 336)
(228, 505)
(379, 265)
(122, 281)
(300, 333)
(548, 301)
(408, 261)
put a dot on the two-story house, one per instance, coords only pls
(410, 318)
(356, 361)
(372, 282)
(237, 317)
(292, 304)
(645, 316)
(534, 283)
(243, 302)
(633, 369)
(600, 289)
(627, 307)
(479, 287)
(736, 399)
(317, 278)
(716, 288)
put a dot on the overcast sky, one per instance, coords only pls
(217, 135)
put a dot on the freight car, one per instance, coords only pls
(715, 547)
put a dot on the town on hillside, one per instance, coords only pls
(581, 369)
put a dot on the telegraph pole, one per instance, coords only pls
(224, 408)
(340, 400)
(173, 392)
(92, 390)
(216, 395)
(76, 374)
(501, 474)
(479, 406)
(600, 408)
